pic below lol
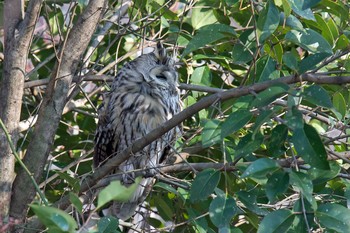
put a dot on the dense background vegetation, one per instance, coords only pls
(264, 86)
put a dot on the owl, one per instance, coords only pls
(143, 95)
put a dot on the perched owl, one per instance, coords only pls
(143, 95)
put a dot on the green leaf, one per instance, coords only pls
(325, 30)
(249, 201)
(303, 183)
(301, 9)
(73, 182)
(202, 16)
(334, 217)
(260, 168)
(290, 60)
(208, 34)
(235, 121)
(74, 199)
(277, 140)
(164, 208)
(269, 95)
(164, 11)
(108, 224)
(54, 219)
(202, 76)
(339, 103)
(241, 54)
(243, 51)
(318, 96)
(204, 184)
(310, 40)
(295, 119)
(265, 69)
(309, 146)
(221, 210)
(264, 116)
(211, 133)
(248, 144)
(287, 9)
(320, 176)
(294, 23)
(336, 8)
(268, 21)
(116, 191)
(310, 62)
(277, 221)
(277, 184)
(166, 187)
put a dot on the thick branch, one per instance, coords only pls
(52, 106)
(18, 35)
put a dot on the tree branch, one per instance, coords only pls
(18, 35)
(186, 113)
(52, 106)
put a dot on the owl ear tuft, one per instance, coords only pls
(160, 53)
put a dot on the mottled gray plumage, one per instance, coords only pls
(144, 95)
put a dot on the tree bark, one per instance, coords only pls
(18, 34)
(53, 103)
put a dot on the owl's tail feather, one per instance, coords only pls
(125, 210)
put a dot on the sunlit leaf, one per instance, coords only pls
(302, 9)
(116, 191)
(309, 40)
(202, 16)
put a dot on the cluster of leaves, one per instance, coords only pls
(284, 169)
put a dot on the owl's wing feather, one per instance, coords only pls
(104, 145)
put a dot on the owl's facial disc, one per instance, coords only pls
(162, 76)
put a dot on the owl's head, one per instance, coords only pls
(157, 70)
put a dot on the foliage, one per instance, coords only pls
(283, 150)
